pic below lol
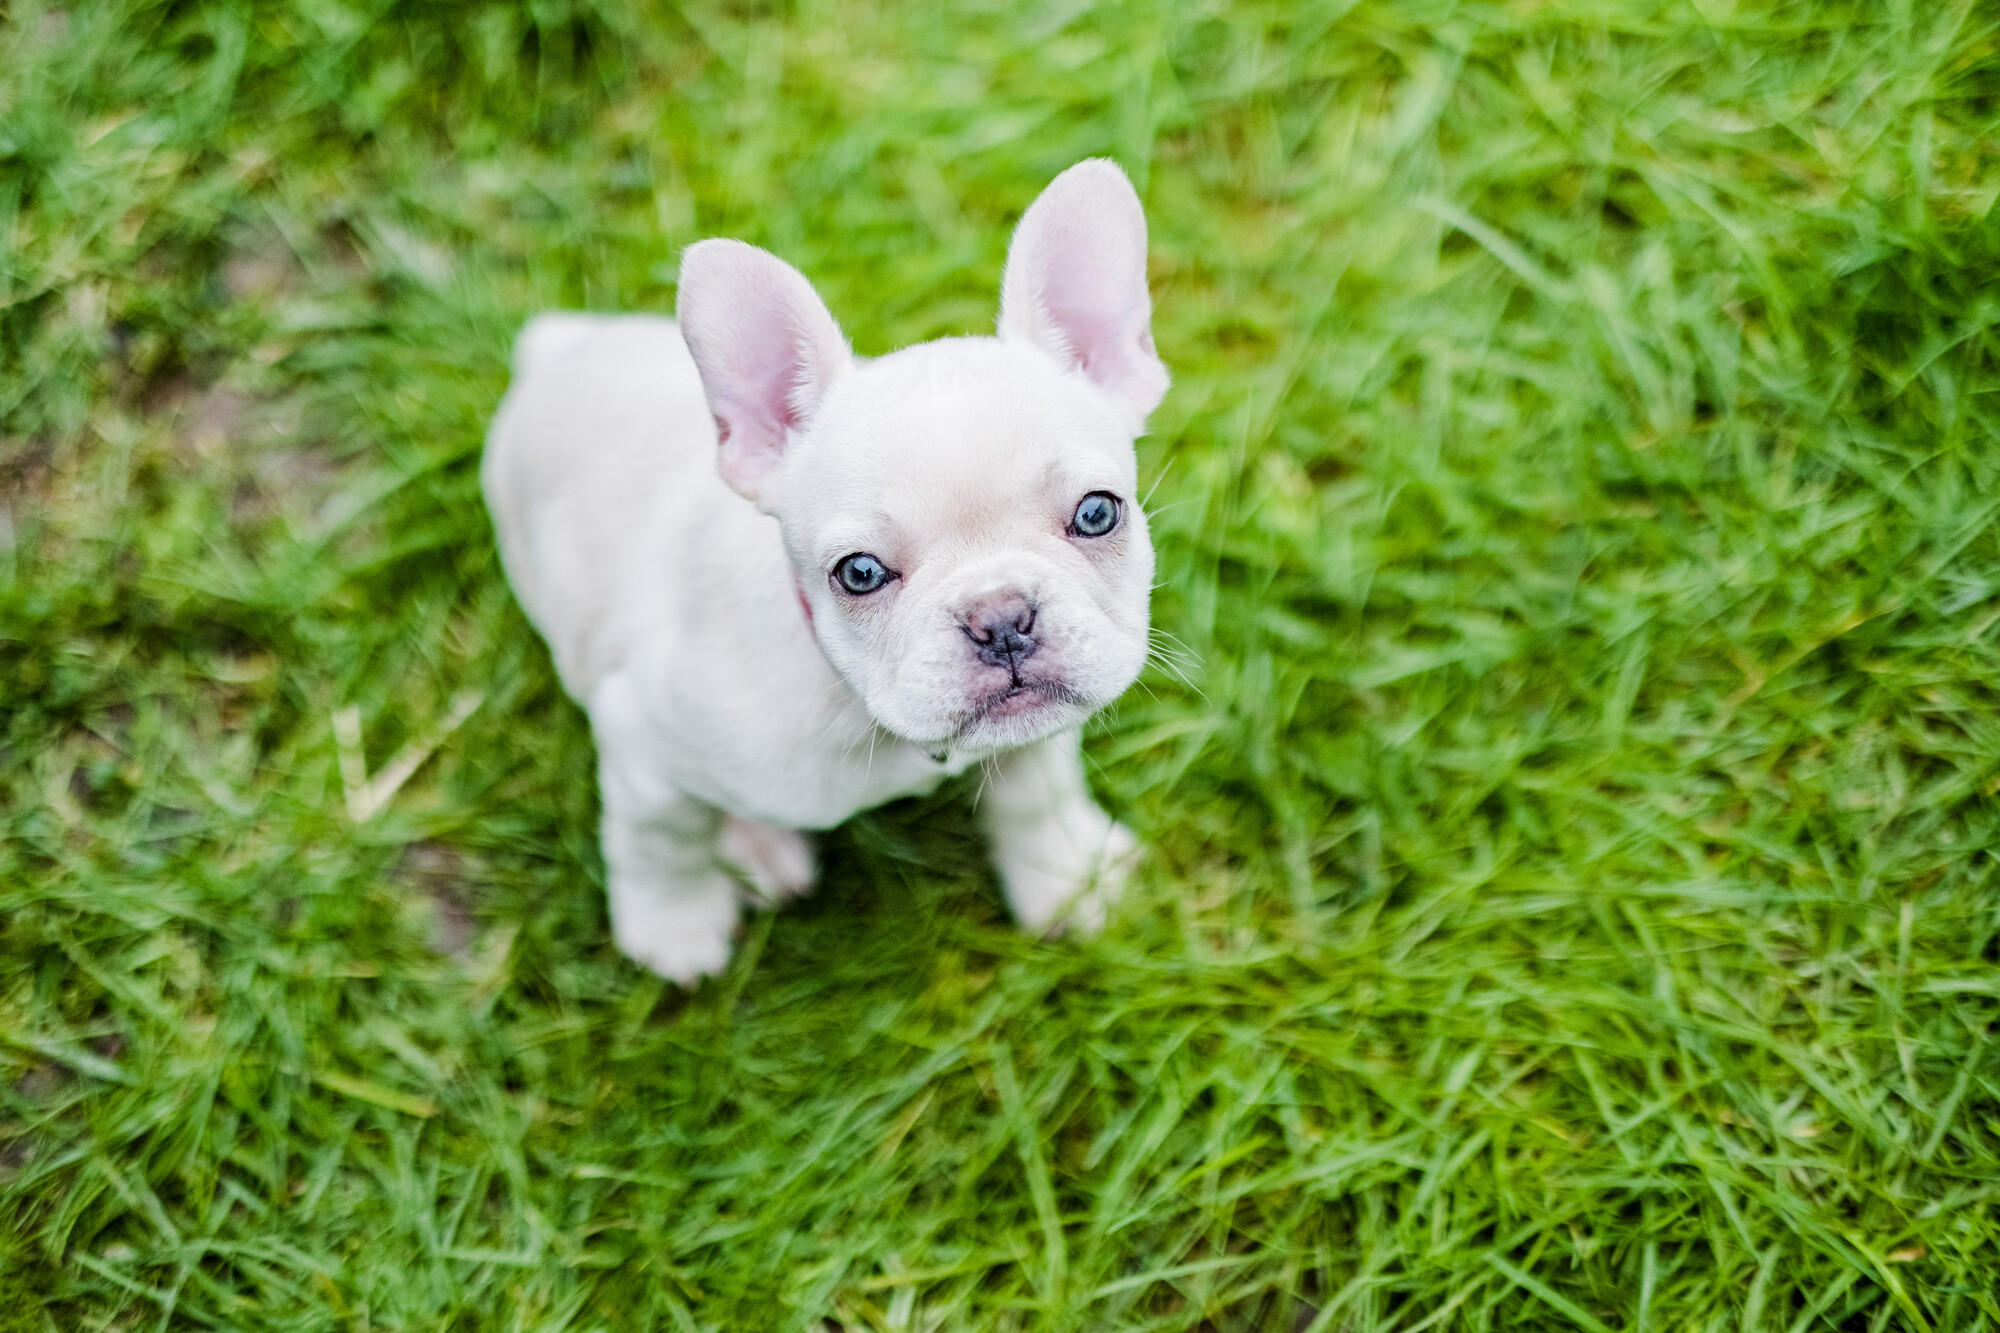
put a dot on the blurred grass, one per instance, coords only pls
(1575, 901)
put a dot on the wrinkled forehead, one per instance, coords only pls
(963, 422)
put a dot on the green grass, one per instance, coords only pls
(1574, 901)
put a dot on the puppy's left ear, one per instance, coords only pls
(1076, 283)
(767, 350)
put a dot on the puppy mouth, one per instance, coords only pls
(1015, 700)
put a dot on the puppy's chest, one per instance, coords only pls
(816, 770)
(777, 737)
(738, 707)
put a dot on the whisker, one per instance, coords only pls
(1173, 669)
(827, 730)
(1180, 659)
(1174, 639)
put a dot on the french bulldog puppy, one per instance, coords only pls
(788, 585)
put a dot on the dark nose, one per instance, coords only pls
(1002, 629)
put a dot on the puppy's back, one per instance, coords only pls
(604, 415)
(546, 336)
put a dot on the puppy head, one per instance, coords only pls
(962, 515)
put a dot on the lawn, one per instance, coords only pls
(1570, 775)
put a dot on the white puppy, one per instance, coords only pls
(788, 586)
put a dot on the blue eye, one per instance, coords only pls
(1097, 515)
(861, 573)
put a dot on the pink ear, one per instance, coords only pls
(767, 350)
(1076, 283)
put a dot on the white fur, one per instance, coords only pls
(664, 496)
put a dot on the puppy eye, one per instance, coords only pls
(1096, 515)
(861, 573)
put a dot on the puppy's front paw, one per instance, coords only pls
(680, 930)
(778, 862)
(1056, 885)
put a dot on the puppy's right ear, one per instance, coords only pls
(767, 350)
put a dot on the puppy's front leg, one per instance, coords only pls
(1053, 845)
(672, 906)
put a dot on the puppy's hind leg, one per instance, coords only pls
(777, 862)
